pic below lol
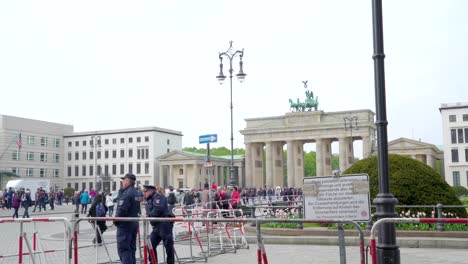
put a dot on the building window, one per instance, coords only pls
(69, 171)
(31, 140)
(168, 141)
(456, 178)
(130, 140)
(138, 168)
(122, 153)
(138, 139)
(466, 135)
(130, 153)
(30, 156)
(83, 155)
(106, 141)
(114, 186)
(106, 154)
(43, 157)
(99, 154)
(146, 167)
(452, 118)
(15, 171)
(130, 168)
(122, 140)
(76, 171)
(91, 170)
(69, 185)
(76, 186)
(122, 169)
(99, 170)
(138, 153)
(83, 170)
(453, 136)
(69, 144)
(181, 171)
(56, 173)
(106, 170)
(466, 155)
(454, 155)
(77, 143)
(146, 139)
(44, 141)
(29, 172)
(69, 155)
(56, 158)
(77, 155)
(168, 150)
(114, 154)
(42, 172)
(91, 155)
(56, 142)
(460, 135)
(114, 141)
(114, 169)
(465, 117)
(15, 155)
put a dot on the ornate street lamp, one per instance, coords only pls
(231, 54)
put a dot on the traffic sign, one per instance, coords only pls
(206, 139)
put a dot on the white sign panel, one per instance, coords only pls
(345, 197)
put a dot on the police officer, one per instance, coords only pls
(127, 206)
(156, 206)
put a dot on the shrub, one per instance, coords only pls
(460, 190)
(68, 192)
(411, 182)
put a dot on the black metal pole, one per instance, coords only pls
(387, 249)
(232, 181)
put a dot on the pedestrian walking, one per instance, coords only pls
(84, 200)
(98, 209)
(26, 202)
(110, 204)
(127, 206)
(15, 203)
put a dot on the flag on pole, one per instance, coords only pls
(19, 143)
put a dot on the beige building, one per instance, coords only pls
(182, 169)
(41, 154)
(425, 152)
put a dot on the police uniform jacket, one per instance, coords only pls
(128, 205)
(156, 206)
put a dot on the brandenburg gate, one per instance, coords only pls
(265, 138)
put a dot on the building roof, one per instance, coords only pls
(406, 143)
(180, 154)
(457, 105)
(124, 130)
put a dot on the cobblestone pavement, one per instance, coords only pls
(51, 238)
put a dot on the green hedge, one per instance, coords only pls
(411, 182)
(460, 190)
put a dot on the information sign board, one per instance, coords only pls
(345, 197)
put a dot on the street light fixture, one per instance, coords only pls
(96, 142)
(230, 54)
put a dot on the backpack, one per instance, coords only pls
(171, 199)
(100, 210)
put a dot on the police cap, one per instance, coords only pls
(148, 187)
(129, 176)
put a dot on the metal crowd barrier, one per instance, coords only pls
(32, 252)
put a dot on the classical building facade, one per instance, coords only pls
(116, 153)
(265, 137)
(455, 134)
(425, 152)
(41, 152)
(182, 169)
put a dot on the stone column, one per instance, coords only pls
(277, 158)
(442, 167)
(430, 161)
(299, 166)
(196, 175)
(185, 176)
(161, 175)
(170, 178)
(248, 165)
(343, 153)
(240, 176)
(319, 157)
(290, 164)
(257, 157)
(327, 157)
(269, 163)
(350, 153)
(366, 147)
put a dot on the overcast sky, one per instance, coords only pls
(120, 64)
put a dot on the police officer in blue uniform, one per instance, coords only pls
(156, 206)
(127, 206)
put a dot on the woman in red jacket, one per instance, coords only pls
(235, 198)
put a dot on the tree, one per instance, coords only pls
(460, 190)
(411, 182)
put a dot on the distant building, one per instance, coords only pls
(41, 152)
(54, 151)
(117, 152)
(455, 133)
(425, 152)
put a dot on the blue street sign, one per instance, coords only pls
(211, 138)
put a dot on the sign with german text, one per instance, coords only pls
(345, 197)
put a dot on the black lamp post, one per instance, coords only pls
(231, 54)
(387, 249)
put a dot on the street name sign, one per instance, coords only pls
(345, 197)
(206, 139)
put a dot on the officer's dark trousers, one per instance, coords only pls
(126, 242)
(163, 231)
